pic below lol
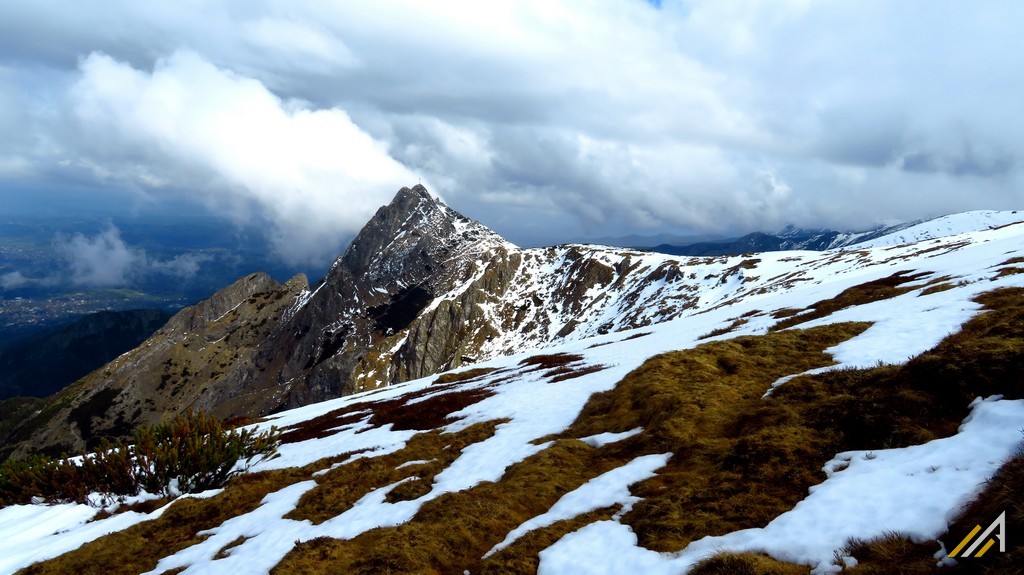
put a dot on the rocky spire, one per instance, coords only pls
(410, 210)
(408, 239)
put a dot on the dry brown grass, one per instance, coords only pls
(745, 564)
(139, 548)
(1009, 271)
(936, 288)
(891, 553)
(225, 551)
(551, 360)
(427, 414)
(451, 533)
(572, 372)
(725, 329)
(877, 290)
(338, 489)
(324, 425)
(738, 460)
(464, 376)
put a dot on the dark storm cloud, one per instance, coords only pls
(602, 117)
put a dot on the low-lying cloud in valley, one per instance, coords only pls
(105, 260)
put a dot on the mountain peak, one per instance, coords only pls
(415, 225)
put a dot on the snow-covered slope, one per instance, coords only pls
(945, 226)
(680, 302)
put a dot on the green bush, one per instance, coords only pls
(189, 454)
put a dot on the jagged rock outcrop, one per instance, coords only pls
(412, 251)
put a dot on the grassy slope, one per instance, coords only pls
(738, 462)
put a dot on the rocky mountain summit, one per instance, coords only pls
(421, 289)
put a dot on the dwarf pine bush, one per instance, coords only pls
(191, 453)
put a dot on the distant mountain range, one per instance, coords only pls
(790, 238)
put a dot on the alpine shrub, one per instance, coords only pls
(189, 454)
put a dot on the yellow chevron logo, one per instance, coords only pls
(995, 532)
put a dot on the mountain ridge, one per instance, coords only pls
(421, 290)
(792, 238)
(801, 400)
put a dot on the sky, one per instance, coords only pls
(546, 120)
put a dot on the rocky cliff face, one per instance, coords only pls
(421, 289)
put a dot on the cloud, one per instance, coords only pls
(313, 174)
(184, 266)
(14, 280)
(103, 260)
(610, 115)
(106, 260)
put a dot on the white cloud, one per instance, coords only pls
(312, 173)
(14, 280)
(613, 114)
(107, 260)
(184, 266)
(103, 260)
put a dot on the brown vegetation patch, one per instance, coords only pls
(563, 366)
(338, 489)
(427, 414)
(464, 376)
(1009, 271)
(324, 425)
(891, 553)
(785, 312)
(147, 506)
(745, 564)
(877, 290)
(450, 534)
(937, 288)
(551, 360)
(724, 330)
(139, 548)
(225, 551)
(572, 372)
(422, 415)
